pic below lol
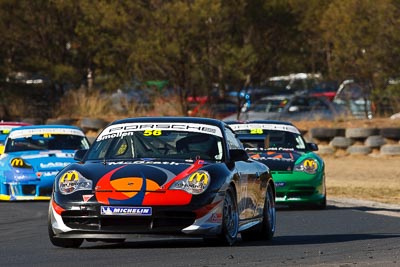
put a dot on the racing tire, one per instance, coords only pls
(267, 229)
(62, 242)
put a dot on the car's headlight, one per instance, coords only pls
(20, 163)
(72, 181)
(308, 165)
(195, 183)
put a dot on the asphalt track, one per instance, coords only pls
(347, 233)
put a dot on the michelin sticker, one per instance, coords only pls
(126, 211)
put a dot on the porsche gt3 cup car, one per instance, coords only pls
(298, 172)
(162, 176)
(33, 155)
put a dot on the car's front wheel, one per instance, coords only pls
(62, 242)
(230, 220)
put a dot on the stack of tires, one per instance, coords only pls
(357, 141)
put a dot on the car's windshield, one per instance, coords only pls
(270, 105)
(46, 142)
(274, 140)
(129, 142)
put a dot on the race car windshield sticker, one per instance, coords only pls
(258, 128)
(126, 129)
(19, 133)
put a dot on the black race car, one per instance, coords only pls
(162, 176)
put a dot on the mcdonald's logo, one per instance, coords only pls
(70, 176)
(199, 177)
(17, 162)
(310, 164)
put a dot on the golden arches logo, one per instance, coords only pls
(70, 176)
(199, 177)
(17, 162)
(310, 164)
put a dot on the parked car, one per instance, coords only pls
(326, 89)
(290, 107)
(298, 172)
(295, 83)
(182, 176)
(354, 98)
(33, 155)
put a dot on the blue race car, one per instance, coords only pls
(32, 157)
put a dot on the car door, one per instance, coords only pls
(248, 188)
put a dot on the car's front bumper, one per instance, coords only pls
(16, 191)
(85, 221)
(299, 188)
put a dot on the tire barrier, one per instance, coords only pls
(356, 141)
(88, 124)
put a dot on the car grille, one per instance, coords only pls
(166, 221)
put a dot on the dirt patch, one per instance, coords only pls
(364, 177)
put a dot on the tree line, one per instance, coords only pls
(197, 43)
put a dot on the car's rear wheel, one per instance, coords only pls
(269, 220)
(267, 229)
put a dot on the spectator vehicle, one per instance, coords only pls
(354, 98)
(32, 157)
(298, 172)
(176, 176)
(290, 107)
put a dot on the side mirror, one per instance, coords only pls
(238, 155)
(312, 146)
(80, 154)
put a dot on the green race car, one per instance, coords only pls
(298, 172)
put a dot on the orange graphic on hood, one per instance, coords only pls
(130, 186)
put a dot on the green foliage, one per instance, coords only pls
(195, 44)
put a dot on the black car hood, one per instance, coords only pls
(158, 171)
(277, 160)
(139, 182)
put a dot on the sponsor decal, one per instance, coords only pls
(46, 174)
(86, 197)
(53, 165)
(216, 218)
(146, 162)
(254, 128)
(44, 131)
(127, 211)
(17, 162)
(127, 129)
(280, 184)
